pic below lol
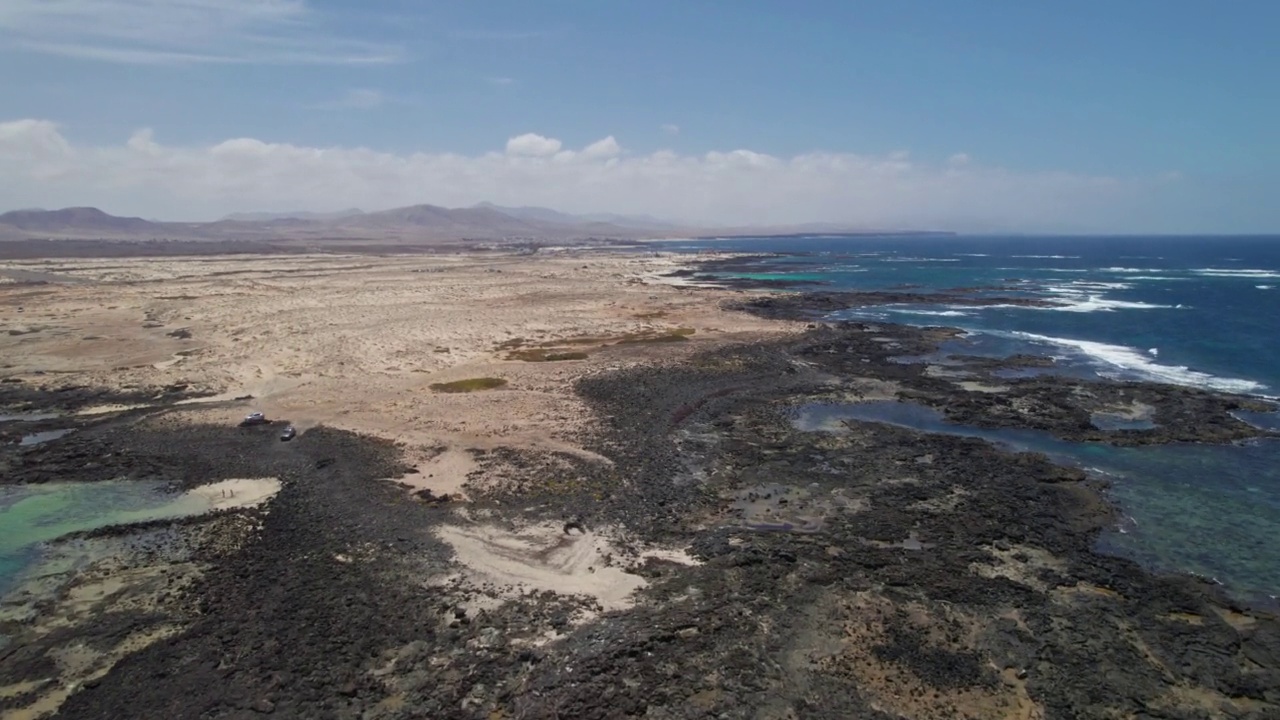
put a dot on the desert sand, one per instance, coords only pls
(356, 342)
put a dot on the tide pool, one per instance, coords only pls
(34, 514)
(1213, 510)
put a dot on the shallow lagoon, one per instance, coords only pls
(1208, 509)
(33, 514)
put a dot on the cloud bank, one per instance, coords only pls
(41, 167)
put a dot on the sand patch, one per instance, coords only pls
(1021, 564)
(545, 557)
(444, 474)
(1135, 410)
(79, 664)
(972, 386)
(237, 493)
(110, 408)
(866, 389)
(22, 688)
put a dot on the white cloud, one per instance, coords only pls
(533, 145)
(671, 129)
(602, 149)
(40, 166)
(167, 32)
(959, 159)
(500, 81)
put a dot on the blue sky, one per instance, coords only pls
(1085, 116)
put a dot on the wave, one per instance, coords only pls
(1076, 297)
(1098, 303)
(998, 306)
(1078, 286)
(919, 259)
(1134, 361)
(1154, 277)
(1265, 287)
(1132, 270)
(1243, 273)
(1049, 257)
(937, 313)
(971, 254)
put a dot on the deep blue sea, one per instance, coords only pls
(1195, 311)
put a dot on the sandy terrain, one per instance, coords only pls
(356, 342)
(546, 557)
(353, 341)
(237, 492)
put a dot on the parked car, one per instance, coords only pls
(288, 434)
(256, 418)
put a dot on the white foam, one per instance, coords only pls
(1134, 361)
(1265, 287)
(1132, 270)
(997, 306)
(937, 313)
(1087, 285)
(1076, 296)
(1049, 257)
(1242, 273)
(1098, 303)
(973, 254)
(1154, 277)
(1080, 286)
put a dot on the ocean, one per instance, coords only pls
(1194, 311)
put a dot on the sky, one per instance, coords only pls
(1140, 116)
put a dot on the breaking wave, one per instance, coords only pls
(1117, 360)
(1243, 273)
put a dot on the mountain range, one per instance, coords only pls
(415, 224)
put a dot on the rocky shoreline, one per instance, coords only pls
(873, 572)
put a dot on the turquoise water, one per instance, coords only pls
(786, 276)
(33, 514)
(1207, 509)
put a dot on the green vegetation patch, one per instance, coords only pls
(469, 385)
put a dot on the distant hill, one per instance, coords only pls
(76, 219)
(301, 215)
(458, 222)
(415, 224)
(548, 215)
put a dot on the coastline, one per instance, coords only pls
(824, 573)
